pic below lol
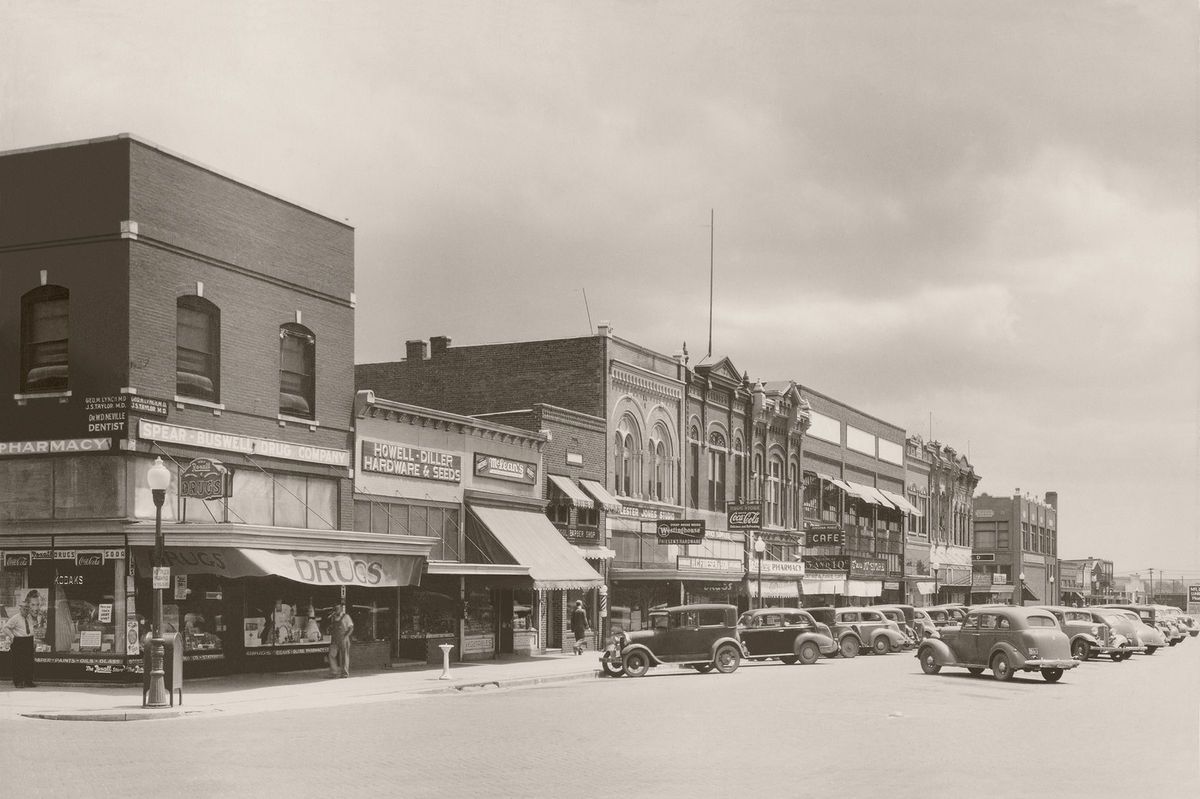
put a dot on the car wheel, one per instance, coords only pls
(1126, 655)
(789, 659)
(728, 659)
(703, 668)
(810, 653)
(1001, 668)
(1080, 649)
(637, 664)
(1172, 643)
(881, 645)
(1150, 650)
(929, 663)
(849, 647)
(613, 668)
(1117, 657)
(974, 671)
(1052, 675)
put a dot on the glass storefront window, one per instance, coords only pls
(83, 609)
(281, 612)
(199, 614)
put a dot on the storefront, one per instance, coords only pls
(843, 580)
(694, 580)
(775, 583)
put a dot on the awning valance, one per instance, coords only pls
(775, 589)
(368, 570)
(534, 542)
(925, 589)
(901, 503)
(570, 491)
(865, 493)
(606, 500)
(813, 586)
(595, 552)
(864, 588)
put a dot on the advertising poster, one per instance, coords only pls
(37, 598)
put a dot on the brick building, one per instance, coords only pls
(1016, 548)
(152, 308)
(938, 546)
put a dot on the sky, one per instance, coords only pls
(976, 220)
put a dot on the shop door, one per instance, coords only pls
(503, 602)
(554, 619)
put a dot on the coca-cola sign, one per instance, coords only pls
(744, 515)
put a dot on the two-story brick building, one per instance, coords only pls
(153, 308)
(1016, 548)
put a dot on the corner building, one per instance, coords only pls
(151, 307)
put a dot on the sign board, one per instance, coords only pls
(58, 446)
(981, 557)
(826, 538)
(708, 564)
(204, 478)
(680, 531)
(855, 566)
(181, 586)
(786, 568)
(1193, 593)
(162, 577)
(104, 613)
(247, 445)
(999, 578)
(505, 469)
(401, 460)
(744, 516)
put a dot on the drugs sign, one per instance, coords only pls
(204, 478)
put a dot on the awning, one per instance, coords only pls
(571, 491)
(814, 585)
(842, 484)
(606, 500)
(1027, 595)
(534, 542)
(901, 503)
(368, 570)
(595, 552)
(775, 589)
(925, 589)
(865, 493)
(864, 588)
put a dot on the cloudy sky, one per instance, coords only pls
(982, 214)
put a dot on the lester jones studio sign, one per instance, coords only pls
(745, 516)
(204, 478)
(680, 531)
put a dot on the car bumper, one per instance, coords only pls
(1031, 665)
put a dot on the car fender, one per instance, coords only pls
(894, 638)
(635, 647)
(720, 642)
(1015, 656)
(941, 652)
(1091, 639)
(824, 642)
(852, 634)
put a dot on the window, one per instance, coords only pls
(774, 492)
(197, 349)
(694, 477)
(716, 471)
(626, 447)
(297, 371)
(45, 323)
(739, 471)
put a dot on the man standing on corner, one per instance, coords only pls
(340, 627)
(20, 627)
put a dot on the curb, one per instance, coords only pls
(107, 715)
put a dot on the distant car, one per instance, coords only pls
(704, 637)
(1150, 617)
(789, 634)
(1004, 639)
(929, 620)
(1148, 635)
(1089, 637)
(1125, 626)
(1173, 616)
(905, 616)
(857, 628)
(1187, 622)
(956, 613)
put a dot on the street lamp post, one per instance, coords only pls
(1021, 588)
(936, 567)
(1052, 600)
(760, 546)
(159, 478)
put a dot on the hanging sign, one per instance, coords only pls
(680, 531)
(505, 468)
(744, 515)
(205, 478)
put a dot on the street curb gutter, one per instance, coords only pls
(107, 715)
(521, 682)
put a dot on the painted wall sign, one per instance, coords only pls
(204, 478)
(401, 460)
(54, 447)
(249, 445)
(505, 468)
(680, 531)
(744, 516)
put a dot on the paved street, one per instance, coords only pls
(873, 725)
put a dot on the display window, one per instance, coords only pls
(629, 605)
(280, 612)
(197, 612)
(72, 606)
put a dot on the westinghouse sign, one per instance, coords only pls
(401, 460)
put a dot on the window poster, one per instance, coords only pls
(37, 599)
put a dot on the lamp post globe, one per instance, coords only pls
(1052, 599)
(159, 479)
(1021, 587)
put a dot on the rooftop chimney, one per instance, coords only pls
(604, 329)
(438, 345)
(1052, 499)
(414, 350)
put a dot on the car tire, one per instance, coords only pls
(728, 659)
(703, 668)
(1001, 667)
(929, 663)
(881, 645)
(1150, 650)
(1126, 656)
(1172, 643)
(788, 660)
(1080, 650)
(810, 653)
(848, 647)
(975, 671)
(636, 664)
(1052, 675)
(1116, 657)
(612, 668)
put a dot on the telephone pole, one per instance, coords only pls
(1151, 592)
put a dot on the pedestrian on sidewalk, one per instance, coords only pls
(20, 627)
(581, 626)
(340, 627)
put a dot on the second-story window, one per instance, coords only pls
(197, 349)
(45, 324)
(297, 371)
(716, 471)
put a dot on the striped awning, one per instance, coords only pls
(570, 491)
(606, 500)
(534, 542)
(775, 589)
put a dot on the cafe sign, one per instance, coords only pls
(204, 478)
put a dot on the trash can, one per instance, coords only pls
(172, 665)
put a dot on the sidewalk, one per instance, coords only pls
(258, 693)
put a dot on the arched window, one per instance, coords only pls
(793, 497)
(197, 348)
(739, 471)
(774, 492)
(694, 466)
(626, 447)
(297, 371)
(45, 329)
(717, 461)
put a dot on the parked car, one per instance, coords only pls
(929, 620)
(956, 613)
(1186, 622)
(1148, 635)
(1089, 637)
(857, 628)
(704, 637)
(1124, 625)
(789, 634)
(904, 616)
(1174, 617)
(1005, 639)
(1150, 617)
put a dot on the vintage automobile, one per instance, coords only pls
(701, 636)
(857, 628)
(1089, 637)
(1124, 631)
(1148, 635)
(929, 620)
(956, 613)
(786, 633)
(1151, 618)
(1005, 639)
(904, 616)
(1174, 617)
(1185, 622)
